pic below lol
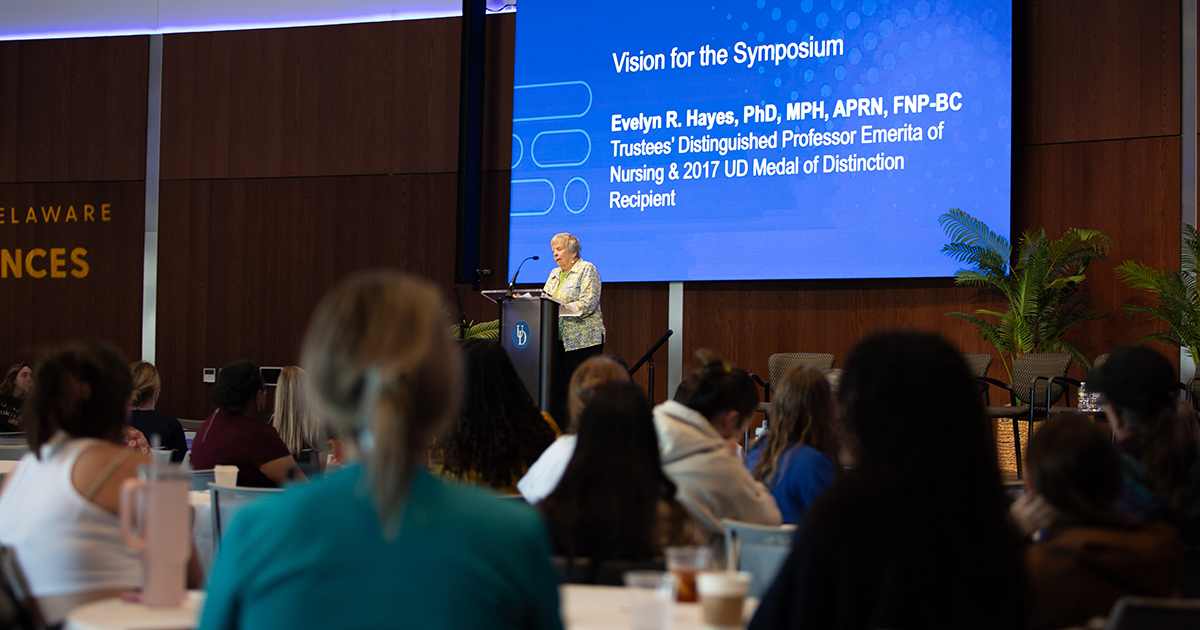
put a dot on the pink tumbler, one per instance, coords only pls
(165, 533)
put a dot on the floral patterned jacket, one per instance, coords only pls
(580, 290)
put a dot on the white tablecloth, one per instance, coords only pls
(114, 614)
(583, 608)
(607, 608)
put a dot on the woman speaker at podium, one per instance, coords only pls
(575, 283)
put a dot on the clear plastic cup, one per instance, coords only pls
(685, 563)
(651, 599)
(722, 597)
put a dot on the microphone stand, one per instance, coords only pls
(648, 357)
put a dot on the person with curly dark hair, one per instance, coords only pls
(59, 509)
(499, 432)
(13, 390)
(1088, 555)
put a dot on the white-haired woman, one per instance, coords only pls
(575, 283)
(384, 543)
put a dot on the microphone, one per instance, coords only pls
(508, 296)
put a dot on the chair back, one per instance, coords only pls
(779, 363)
(201, 478)
(309, 462)
(13, 452)
(1149, 613)
(978, 364)
(1100, 360)
(1030, 366)
(228, 501)
(187, 460)
(759, 549)
(608, 573)
(19, 610)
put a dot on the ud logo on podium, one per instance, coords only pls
(520, 334)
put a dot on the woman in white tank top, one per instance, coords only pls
(58, 510)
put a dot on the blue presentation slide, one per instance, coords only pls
(758, 139)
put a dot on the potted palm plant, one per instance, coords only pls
(1178, 306)
(1041, 284)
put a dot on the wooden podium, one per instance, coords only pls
(528, 332)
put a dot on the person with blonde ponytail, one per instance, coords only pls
(795, 459)
(146, 387)
(383, 543)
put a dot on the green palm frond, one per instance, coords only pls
(1040, 280)
(1178, 306)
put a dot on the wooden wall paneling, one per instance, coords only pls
(351, 99)
(245, 262)
(1128, 189)
(635, 316)
(1095, 71)
(104, 303)
(746, 322)
(73, 109)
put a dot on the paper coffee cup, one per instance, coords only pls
(722, 594)
(225, 475)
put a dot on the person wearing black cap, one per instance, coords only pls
(235, 434)
(1157, 436)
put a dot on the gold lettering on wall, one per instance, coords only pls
(36, 252)
(50, 262)
(81, 267)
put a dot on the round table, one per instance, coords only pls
(582, 607)
(116, 614)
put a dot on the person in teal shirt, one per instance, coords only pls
(315, 557)
(384, 544)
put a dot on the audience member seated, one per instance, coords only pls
(1088, 555)
(713, 407)
(796, 457)
(499, 431)
(147, 385)
(12, 395)
(136, 441)
(614, 501)
(545, 473)
(384, 543)
(235, 435)
(59, 508)
(917, 535)
(1156, 435)
(295, 419)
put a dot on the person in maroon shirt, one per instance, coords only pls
(235, 435)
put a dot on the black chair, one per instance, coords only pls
(978, 364)
(18, 608)
(779, 363)
(1150, 613)
(1033, 382)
